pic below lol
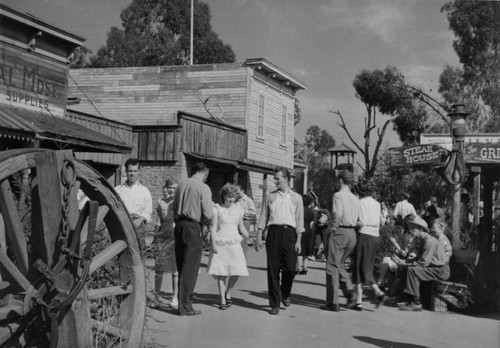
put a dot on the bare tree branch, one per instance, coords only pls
(381, 135)
(415, 90)
(344, 127)
(361, 166)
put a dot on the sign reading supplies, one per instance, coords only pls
(417, 154)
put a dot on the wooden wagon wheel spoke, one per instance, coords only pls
(109, 329)
(110, 291)
(107, 255)
(13, 271)
(13, 228)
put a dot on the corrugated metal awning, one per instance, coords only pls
(26, 124)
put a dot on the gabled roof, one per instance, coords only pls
(276, 72)
(341, 148)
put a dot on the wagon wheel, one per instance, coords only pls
(62, 284)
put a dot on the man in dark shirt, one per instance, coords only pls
(193, 207)
(432, 263)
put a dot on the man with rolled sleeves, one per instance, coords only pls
(341, 243)
(193, 208)
(283, 216)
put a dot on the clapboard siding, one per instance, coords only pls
(208, 138)
(259, 147)
(153, 95)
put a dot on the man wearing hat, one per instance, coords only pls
(432, 263)
(341, 243)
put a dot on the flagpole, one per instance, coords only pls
(191, 35)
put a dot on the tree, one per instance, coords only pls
(157, 32)
(316, 143)
(382, 91)
(476, 25)
(79, 58)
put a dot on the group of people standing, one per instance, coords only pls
(352, 229)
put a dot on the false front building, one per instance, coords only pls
(239, 117)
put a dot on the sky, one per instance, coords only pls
(323, 43)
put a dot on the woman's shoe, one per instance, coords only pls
(303, 271)
(358, 307)
(223, 306)
(229, 302)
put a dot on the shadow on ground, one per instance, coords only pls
(387, 344)
(214, 301)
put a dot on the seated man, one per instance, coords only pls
(432, 263)
(403, 248)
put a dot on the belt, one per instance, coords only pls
(285, 226)
(184, 218)
(342, 226)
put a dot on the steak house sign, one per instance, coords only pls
(418, 154)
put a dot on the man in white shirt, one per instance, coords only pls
(283, 217)
(404, 208)
(136, 198)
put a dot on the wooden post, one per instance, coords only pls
(487, 225)
(457, 192)
(476, 194)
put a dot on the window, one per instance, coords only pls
(283, 124)
(260, 117)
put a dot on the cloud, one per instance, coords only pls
(305, 72)
(385, 19)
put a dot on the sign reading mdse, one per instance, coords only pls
(418, 154)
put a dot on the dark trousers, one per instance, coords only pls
(364, 260)
(281, 255)
(340, 246)
(188, 250)
(417, 274)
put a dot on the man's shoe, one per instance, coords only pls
(379, 300)
(287, 302)
(274, 311)
(402, 304)
(412, 307)
(351, 303)
(332, 307)
(189, 313)
(358, 307)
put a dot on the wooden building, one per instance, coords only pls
(34, 66)
(238, 116)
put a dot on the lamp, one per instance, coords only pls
(458, 115)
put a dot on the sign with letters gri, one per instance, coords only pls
(482, 153)
(417, 154)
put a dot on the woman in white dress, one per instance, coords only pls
(227, 261)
